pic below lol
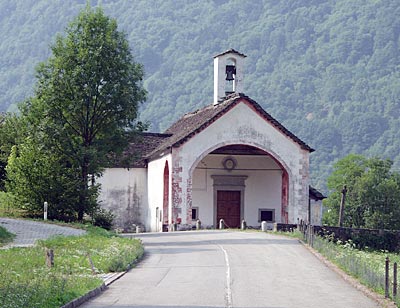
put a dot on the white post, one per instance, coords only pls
(45, 205)
(264, 227)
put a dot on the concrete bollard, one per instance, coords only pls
(45, 208)
(221, 224)
(138, 229)
(264, 226)
(244, 225)
(198, 224)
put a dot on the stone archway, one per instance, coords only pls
(209, 174)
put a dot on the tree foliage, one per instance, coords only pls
(373, 193)
(34, 176)
(13, 130)
(85, 104)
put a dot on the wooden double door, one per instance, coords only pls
(228, 207)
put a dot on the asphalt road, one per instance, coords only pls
(229, 269)
(28, 232)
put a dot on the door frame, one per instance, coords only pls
(229, 182)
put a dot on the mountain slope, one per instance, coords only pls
(328, 70)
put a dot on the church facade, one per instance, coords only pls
(230, 160)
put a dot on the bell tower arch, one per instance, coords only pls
(228, 74)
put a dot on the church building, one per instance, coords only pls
(230, 160)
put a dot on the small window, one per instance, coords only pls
(195, 213)
(267, 215)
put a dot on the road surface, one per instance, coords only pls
(28, 232)
(229, 269)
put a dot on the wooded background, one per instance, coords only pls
(328, 70)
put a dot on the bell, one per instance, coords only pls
(230, 71)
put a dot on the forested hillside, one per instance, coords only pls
(328, 70)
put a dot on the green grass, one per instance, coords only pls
(5, 236)
(25, 280)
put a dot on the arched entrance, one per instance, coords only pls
(236, 182)
(164, 214)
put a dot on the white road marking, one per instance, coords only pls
(228, 294)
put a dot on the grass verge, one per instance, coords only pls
(367, 266)
(26, 281)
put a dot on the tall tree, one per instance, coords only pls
(373, 198)
(87, 96)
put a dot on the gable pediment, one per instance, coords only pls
(195, 122)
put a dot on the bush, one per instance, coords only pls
(103, 218)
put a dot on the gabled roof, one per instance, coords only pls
(315, 194)
(231, 51)
(138, 149)
(193, 123)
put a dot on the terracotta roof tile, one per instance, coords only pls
(138, 149)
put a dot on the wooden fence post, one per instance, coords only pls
(342, 202)
(49, 257)
(312, 236)
(394, 279)
(387, 277)
(91, 264)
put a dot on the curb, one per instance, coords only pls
(80, 300)
(113, 277)
(95, 292)
(381, 300)
(109, 279)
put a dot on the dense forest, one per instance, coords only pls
(327, 69)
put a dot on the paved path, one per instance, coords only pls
(229, 269)
(27, 232)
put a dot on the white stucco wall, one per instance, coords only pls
(316, 212)
(124, 192)
(155, 185)
(242, 125)
(263, 186)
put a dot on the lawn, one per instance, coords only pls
(26, 281)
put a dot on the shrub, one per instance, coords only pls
(5, 236)
(103, 218)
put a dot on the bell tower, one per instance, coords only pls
(228, 74)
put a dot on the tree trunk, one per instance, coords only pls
(83, 194)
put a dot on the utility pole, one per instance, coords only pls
(342, 202)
